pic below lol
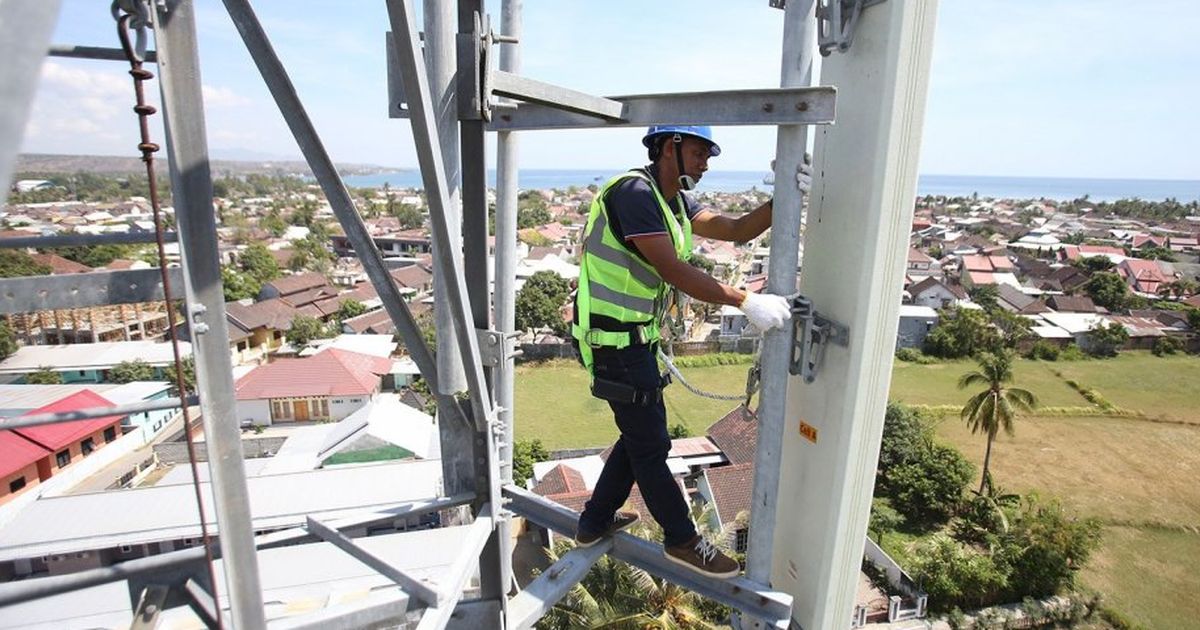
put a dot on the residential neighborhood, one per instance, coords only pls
(327, 398)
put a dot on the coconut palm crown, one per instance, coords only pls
(995, 407)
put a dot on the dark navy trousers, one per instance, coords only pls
(640, 453)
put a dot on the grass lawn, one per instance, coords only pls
(380, 454)
(937, 384)
(1165, 387)
(553, 404)
(1136, 475)
(1149, 575)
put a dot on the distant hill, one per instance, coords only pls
(40, 163)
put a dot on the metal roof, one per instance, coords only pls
(295, 580)
(90, 356)
(141, 515)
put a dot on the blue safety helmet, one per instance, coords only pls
(703, 132)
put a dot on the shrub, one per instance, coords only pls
(1043, 351)
(1167, 345)
(913, 355)
(1044, 547)
(922, 480)
(1071, 353)
(957, 575)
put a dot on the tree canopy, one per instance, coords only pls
(303, 330)
(44, 376)
(15, 263)
(130, 371)
(539, 301)
(8, 340)
(1107, 289)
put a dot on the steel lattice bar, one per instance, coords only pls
(30, 294)
(76, 239)
(433, 173)
(552, 585)
(436, 618)
(778, 106)
(7, 424)
(555, 97)
(755, 599)
(26, 590)
(203, 605)
(192, 191)
(97, 53)
(411, 585)
(381, 610)
(25, 30)
(799, 44)
(284, 93)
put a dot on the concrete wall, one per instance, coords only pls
(176, 452)
(913, 330)
(341, 407)
(256, 411)
(31, 480)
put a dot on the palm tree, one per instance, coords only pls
(995, 407)
(619, 596)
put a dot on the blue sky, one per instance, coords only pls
(1094, 88)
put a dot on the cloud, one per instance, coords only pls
(218, 96)
(81, 110)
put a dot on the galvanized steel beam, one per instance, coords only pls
(436, 618)
(97, 53)
(781, 106)
(411, 585)
(86, 240)
(799, 45)
(754, 599)
(171, 562)
(284, 93)
(30, 294)
(191, 179)
(553, 584)
(377, 611)
(425, 135)
(33, 420)
(25, 30)
(555, 97)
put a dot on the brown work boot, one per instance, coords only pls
(703, 557)
(620, 521)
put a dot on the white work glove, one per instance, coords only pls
(803, 175)
(766, 311)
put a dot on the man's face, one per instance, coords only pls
(695, 154)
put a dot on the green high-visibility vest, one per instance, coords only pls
(616, 283)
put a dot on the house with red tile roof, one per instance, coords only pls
(20, 463)
(326, 386)
(728, 489)
(1143, 276)
(59, 265)
(30, 455)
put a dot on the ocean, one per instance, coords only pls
(1060, 188)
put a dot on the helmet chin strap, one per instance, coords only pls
(686, 182)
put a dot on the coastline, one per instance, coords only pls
(997, 187)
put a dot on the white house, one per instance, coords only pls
(326, 386)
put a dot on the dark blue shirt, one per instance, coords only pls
(633, 210)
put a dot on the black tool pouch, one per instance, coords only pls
(614, 391)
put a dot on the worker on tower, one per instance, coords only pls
(636, 248)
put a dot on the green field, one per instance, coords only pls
(1137, 474)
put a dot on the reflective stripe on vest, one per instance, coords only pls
(614, 281)
(595, 245)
